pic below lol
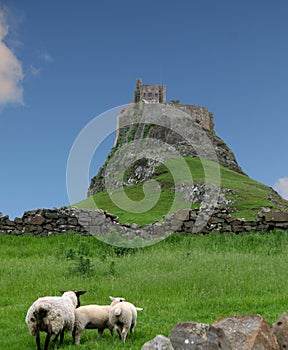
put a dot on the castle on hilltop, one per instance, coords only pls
(149, 93)
(155, 93)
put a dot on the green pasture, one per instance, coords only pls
(188, 278)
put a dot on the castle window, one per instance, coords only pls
(149, 94)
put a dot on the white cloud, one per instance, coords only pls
(11, 74)
(281, 186)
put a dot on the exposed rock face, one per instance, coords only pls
(250, 332)
(148, 135)
(197, 336)
(280, 330)
(158, 343)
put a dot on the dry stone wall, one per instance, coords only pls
(45, 222)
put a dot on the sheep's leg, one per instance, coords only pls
(56, 337)
(132, 327)
(77, 335)
(48, 336)
(119, 332)
(73, 334)
(111, 331)
(100, 333)
(124, 333)
(62, 336)
(38, 340)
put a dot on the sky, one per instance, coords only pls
(63, 63)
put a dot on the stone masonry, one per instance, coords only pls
(45, 222)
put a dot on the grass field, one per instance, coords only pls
(192, 278)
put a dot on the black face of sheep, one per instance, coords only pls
(53, 315)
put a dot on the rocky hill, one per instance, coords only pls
(148, 134)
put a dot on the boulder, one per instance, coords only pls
(280, 330)
(158, 343)
(198, 336)
(250, 332)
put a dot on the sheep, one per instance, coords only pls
(92, 317)
(53, 315)
(122, 317)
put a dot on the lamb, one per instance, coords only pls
(123, 316)
(92, 317)
(53, 315)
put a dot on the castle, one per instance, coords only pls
(155, 93)
(149, 93)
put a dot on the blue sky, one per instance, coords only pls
(62, 63)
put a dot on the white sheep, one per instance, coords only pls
(122, 317)
(53, 315)
(92, 317)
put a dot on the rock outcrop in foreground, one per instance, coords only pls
(251, 332)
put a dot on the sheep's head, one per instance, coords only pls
(77, 293)
(116, 300)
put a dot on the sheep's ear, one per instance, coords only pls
(139, 308)
(112, 298)
(80, 292)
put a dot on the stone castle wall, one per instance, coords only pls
(198, 114)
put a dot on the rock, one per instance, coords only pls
(36, 220)
(280, 330)
(250, 332)
(198, 336)
(158, 343)
(276, 216)
(178, 129)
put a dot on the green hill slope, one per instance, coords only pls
(243, 194)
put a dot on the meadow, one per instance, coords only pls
(183, 278)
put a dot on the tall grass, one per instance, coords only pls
(192, 278)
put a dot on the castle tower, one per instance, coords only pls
(162, 93)
(149, 93)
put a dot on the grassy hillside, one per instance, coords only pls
(193, 278)
(248, 195)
